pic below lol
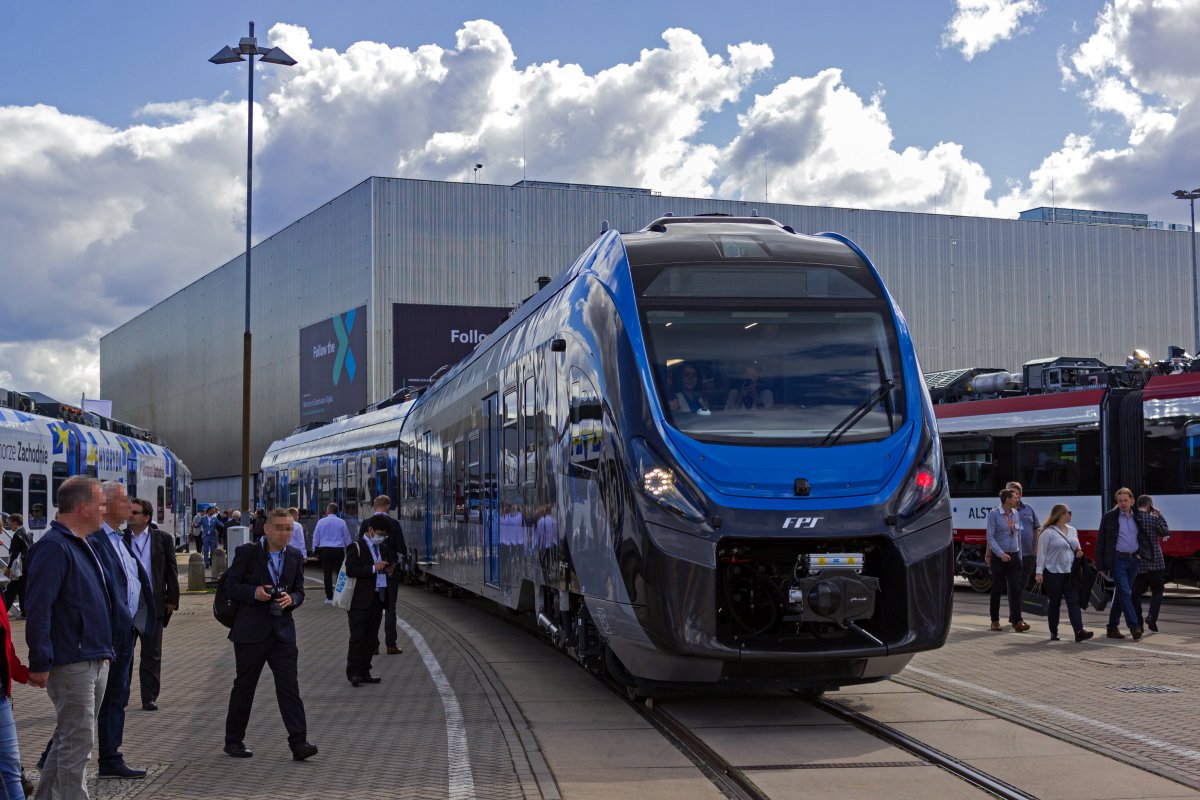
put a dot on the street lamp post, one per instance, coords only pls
(477, 168)
(1191, 198)
(248, 47)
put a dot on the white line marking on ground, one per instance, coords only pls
(1071, 716)
(462, 783)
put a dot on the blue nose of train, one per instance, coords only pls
(773, 472)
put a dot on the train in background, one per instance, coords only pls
(43, 442)
(1073, 430)
(703, 455)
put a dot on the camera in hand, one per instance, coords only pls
(274, 593)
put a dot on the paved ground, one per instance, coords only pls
(471, 709)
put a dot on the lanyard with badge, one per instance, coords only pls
(275, 573)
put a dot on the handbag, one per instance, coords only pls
(343, 589)
(224, 608)
(1035, 602)
(16, 568)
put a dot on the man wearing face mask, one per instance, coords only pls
(370, 561)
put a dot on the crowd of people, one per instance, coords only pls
(1024, 553)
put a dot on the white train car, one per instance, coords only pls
(40, 447)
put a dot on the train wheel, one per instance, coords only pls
(810, 693)
(980, 583)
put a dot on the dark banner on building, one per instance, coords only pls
(333, 366)
(426, 338)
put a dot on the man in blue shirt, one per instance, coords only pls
(330, 538)
(208, 534)
(69, 632)
(1004, 544)
(1030, 525)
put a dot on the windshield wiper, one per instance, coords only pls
(883, 390)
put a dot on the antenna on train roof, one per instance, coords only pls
(754, 212)
(604, 226)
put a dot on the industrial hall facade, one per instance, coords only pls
(386, 283)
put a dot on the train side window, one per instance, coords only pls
(38, 496)
(474, 495)
(447, 481)
(58, 474)
(1191, 461)
(529, 437)
(160, 514)
(13, 496)
(1048, 463)
(460, 478)
(324, 487)
(351, 487)
(510, 441)
(969, 465)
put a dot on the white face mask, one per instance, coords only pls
(377, 539)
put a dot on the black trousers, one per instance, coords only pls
(389, 611)
(1057, 586)
(331, 562)
(282, 658)
(1028, 567)
(364, 636)
(150, 664)
(1007, 574)
(15, 591)
(1155, 581)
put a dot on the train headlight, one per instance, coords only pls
(925, 482)
(662, 483)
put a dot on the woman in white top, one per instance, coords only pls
(1057, 549)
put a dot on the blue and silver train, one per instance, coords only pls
(703, 454)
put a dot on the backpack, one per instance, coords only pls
(224, 608)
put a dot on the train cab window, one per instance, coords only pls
(1191, 453)
(586, 425)
(1048, 463)
(13, 496)
(969, 466)
(775, 353)
(38, 497)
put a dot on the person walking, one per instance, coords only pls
(69, 633)
(370, 562)
(1030, 526)
(330, 538)
(297, 540)
(1058, 547)
(395, 538)
(209, 534)
(1121, 544)
(155, 551)
(1151, 571)
(11, 669)
(18, 550)
(1004, 543)
(130, 596)
(267, 582)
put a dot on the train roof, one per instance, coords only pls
(709, 239)
(360, 431)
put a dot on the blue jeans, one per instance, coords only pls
(1124, 573)
(210, 544)
(10, 756)
(110, 722)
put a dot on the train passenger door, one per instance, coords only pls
(487, 500)
(425, 456)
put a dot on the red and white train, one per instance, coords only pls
(1074, 433)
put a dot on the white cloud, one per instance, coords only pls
(64, 369)
(978, 25)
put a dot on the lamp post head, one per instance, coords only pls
(1182, 195)
(226, 55)
(248, 46)
(276, 56)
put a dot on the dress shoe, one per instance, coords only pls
(1136, 633)
(1152, 626)
(370, 679)
(121, 770)
(1115, 633)
(1021, 626)
(394, 650)
(150, 705)
(237, 750)
(996, 626)
(1054, 637)
(355, 680)
(1083, 636)
(303, 750)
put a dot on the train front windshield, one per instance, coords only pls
(772, 353)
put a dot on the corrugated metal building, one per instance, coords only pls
(976, 291)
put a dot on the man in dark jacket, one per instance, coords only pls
(369, 561)
(17, 555)
(69, 632)
(395, 538)
(155, 551)
(131, 597)
(267, 582)
(1121, 544)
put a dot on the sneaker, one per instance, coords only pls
(1114, 633)
(328, 602)
(1083, 636)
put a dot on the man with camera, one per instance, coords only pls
(370, 562)
(267, 582)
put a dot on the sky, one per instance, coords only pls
(122, 150)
